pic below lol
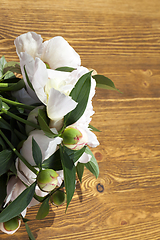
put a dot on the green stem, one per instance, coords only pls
(5, 85)
(20, 119)
(18, 154)
(21, 105)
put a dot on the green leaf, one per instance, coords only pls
(2, 64)
(21, 128)
(104, 82)
(2, 144)
(53, 162)
(74, 154)
(43, 210)
(65, 69)
(4, 124)
(43, 122)
(18, 205)
(8, 75)
(14, 138)
(12, 79)
(80, 170)
(12, 168)
(36, 153)
(5, 161)
(3, 186)
(12, 67)
(93, 128)
(69, 174)
(30, 234)
(92, 165)
(20, 136)
(80, 94)
(5, 106)
(0, 104)
(27, 78)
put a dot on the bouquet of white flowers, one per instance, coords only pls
(45, 131)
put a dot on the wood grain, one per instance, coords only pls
(120, 39)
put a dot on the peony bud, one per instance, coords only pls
(58, 198)
(74, 137)
(10, 226)
(47, 180)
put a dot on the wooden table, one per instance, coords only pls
(120, 39)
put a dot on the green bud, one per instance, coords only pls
(10, 226)
(58, 198)
(74, 137)
(47, 180)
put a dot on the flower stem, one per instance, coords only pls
(21, 105)
(5, 85)
(20, 119)
(18, 154)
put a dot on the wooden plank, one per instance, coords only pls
(119, 39)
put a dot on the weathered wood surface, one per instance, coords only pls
(120, 39)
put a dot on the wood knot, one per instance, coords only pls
(98, 156)
(123, 222)
(146, 84)
(100, 188)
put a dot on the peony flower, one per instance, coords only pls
(15, 187)
(58, 198)
(47, 180)
(74, 138)
(53, 89)
(10, 226)
(47, 145)
(56, 53)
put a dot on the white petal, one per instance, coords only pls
(40, 79)
(24, 173)
(29, 63)
(29, 42)
(60, 177)
(57, 80)
(52, 146)
(39, 193)
(92, 139)
(58, 53)
(84, 158)
(46, 144)
(32, 117)
(10, 188)
(59, 104)
(57, 124)
(14, 188)
(23, 97)
(24, 212)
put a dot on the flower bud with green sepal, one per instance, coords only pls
(58, 198)
(10, 226)
(47, 180)
(74, 137)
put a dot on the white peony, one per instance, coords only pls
(47, 145)
(56, 53)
